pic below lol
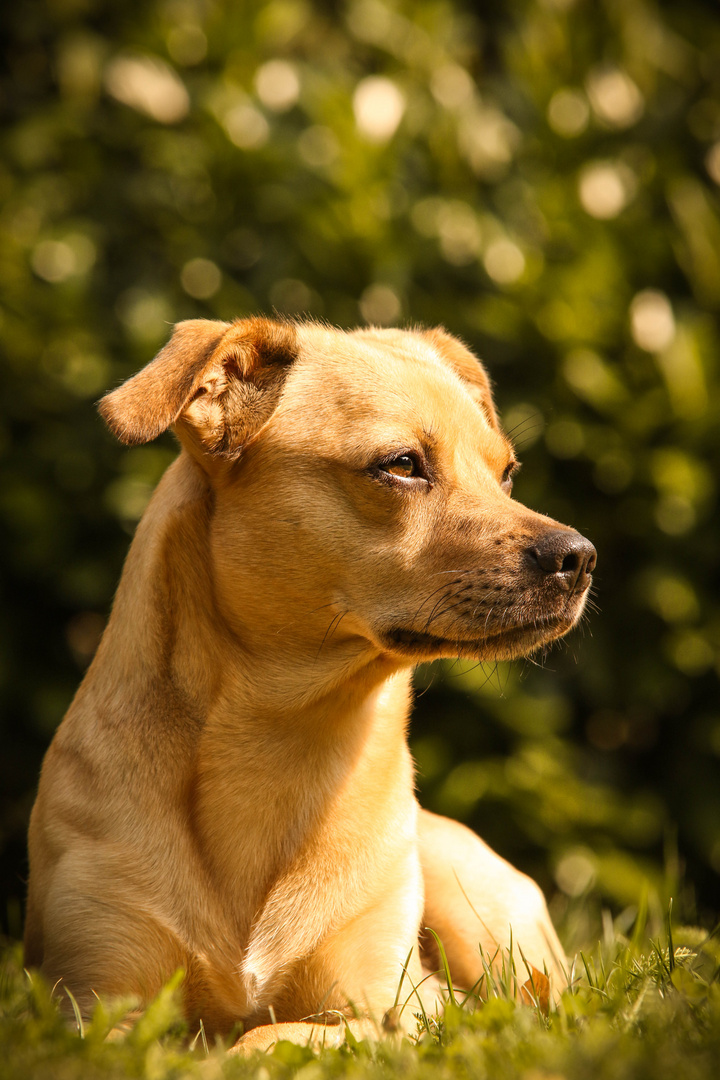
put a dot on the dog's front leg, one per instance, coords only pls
(343, 918)
(474, 899)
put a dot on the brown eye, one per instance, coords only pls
(404, 466)
(408, 471)
(507, 478)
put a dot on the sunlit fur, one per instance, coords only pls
(231, 791)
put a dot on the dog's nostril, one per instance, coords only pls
(570, 564)
(567, 556)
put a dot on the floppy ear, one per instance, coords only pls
(217, 382)
(468, 367)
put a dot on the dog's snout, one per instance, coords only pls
(567, 556)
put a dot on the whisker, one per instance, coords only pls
(531, 418)
(444, 611)
(433, 677)
(429, 597)
(433, 614)
(334, 623)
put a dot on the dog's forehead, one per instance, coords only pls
(390, 376)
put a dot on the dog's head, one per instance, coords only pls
(361, 489)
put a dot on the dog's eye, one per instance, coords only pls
(404, 466)
(409, 469)
(507, 478)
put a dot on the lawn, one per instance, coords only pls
(643, 1006)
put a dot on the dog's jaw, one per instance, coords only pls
(519, 629)
(509, 644)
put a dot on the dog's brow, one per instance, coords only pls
(429, 434)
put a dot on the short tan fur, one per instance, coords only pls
(231, 791)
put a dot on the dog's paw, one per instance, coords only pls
(304, 1033)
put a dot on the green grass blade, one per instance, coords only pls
(76, 1010)
(402, 978)
(445, 965)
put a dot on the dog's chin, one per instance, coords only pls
(506, 644)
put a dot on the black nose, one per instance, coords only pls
(567, 555)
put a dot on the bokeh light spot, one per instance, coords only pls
(318, 146)
(652, 322)
(605, 189)
(57, 260)
(673, 598)
(504, 261)
(458, 231)
(293, 297)
(277, 85)
(201, 278)
(691, 653)
(452, 86)
(378, 105)
(568, 112)
(146, 316)
(675, 514)
(615, 97)
(187, 44)
(712, 162)
(380, 304)
(149, 85)
(565, 438)
(246, 126)
(575, 872)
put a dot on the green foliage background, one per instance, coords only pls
(540, 177)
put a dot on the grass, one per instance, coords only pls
(639, 1007)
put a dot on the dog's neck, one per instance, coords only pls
(318, 730)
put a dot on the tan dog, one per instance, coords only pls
(231, 791)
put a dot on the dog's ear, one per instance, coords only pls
(468, 367)
(216, 382)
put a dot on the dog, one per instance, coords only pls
(231, 791)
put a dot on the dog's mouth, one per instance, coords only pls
(507, 643)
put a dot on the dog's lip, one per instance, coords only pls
(406, 639)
